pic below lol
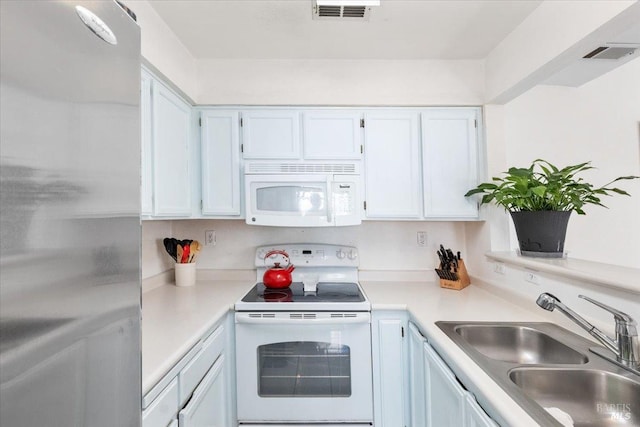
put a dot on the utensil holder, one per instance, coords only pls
(185, 274)
(463, 278)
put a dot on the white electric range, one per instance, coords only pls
(303, 353)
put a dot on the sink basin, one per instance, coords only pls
(591, 397)
(518, 344)
(541, 365)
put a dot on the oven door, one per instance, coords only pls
(294, 367)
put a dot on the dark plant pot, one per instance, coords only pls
(541, 233)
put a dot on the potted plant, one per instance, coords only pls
(540, 199)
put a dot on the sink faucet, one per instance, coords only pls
(624, 347)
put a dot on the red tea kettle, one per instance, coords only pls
(278, 277)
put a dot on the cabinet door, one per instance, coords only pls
(208, 405)
(163, 409)
(445, 396)
(418, 401)
(331, 135)
(220, 163)
(171, 138)
(392, 165)
(146, 190)
(271, 134)
(475, 415)
(388, 375)
(450, 162)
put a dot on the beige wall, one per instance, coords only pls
(340, 82)
(383, 245)
(164, 50)
(598, 122)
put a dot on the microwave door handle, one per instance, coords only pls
(329, 201)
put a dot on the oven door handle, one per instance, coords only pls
(310, 322)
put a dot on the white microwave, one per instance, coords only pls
(302, 194)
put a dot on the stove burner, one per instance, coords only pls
(278, 295)
(327, 292)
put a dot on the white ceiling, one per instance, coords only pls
(397, 29)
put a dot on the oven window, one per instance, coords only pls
(304, 369)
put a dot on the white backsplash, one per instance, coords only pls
(383, 245)
(154, 258)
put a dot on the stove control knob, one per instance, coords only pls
(340, 254)
(353, 254)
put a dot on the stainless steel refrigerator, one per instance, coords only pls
(69, 214)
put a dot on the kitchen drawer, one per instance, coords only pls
(163, 409)
(192, 374)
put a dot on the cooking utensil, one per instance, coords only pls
(179, 251)
(195, 250)
(185, 254)
(170, 247)
(278, 277)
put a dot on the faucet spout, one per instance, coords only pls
(625, 347)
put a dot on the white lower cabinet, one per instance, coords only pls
(474, 415)
(199, 388)
(208, 404)
(389, 361)
(445, 396)
(163, 409)
(417, 383)
(433, 397)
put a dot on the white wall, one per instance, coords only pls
(164, 50)
(155, 259)
(340, 82)
(542, 44)
(382, 245)
(598, 122)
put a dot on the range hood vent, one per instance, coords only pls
(610, 52)
(357, 10)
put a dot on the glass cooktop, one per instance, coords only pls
(326, 292)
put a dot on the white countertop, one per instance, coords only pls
(613, 276)
(174, 319)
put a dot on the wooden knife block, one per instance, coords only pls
(463, 278)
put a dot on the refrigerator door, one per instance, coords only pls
(69, 215)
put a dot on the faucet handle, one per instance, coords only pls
(617, 314)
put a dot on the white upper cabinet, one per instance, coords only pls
(220, 152)
(331, 135)
(271, 134)
(146, 190)
(171, 154)
(392, 165)
(450, 162)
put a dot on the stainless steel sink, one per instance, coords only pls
(518, 344)
(591, 397)
(541, 365)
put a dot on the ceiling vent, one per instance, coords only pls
(357, 10)
(610, 52)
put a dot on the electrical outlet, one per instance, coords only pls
(422, 238)
(531, 277)
(499, 267)
(210, 238)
